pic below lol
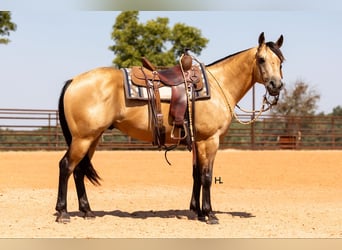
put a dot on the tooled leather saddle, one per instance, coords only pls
(180, 81)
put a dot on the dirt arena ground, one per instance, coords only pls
(262, 194)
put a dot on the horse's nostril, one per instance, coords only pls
(272, 84)
(275, 85)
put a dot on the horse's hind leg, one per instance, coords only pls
(67, 165)
(79, 173)
(64, 175)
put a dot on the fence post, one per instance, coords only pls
(252, 133)
(56, 130)
(333, 139)
(49, 130)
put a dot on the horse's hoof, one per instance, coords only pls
(212, 220)
(89, 215)
(201, 218)
(63, 217)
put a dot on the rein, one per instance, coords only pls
(266, 102)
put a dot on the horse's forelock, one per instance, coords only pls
(276, 50)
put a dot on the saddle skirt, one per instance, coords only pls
(135, 82)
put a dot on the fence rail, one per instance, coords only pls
(34, 129)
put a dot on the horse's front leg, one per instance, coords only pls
(206, 155)
(196, 191)
(206, 180)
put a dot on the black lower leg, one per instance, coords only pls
(79, 174)
(61, 205)
(196, 190)
(206, 199)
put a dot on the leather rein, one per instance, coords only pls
(267, 104)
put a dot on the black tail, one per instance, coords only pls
(61, 114)
(85, 163)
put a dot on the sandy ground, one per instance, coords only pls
(263, 194)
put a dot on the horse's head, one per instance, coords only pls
(269, 60)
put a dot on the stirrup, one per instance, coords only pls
(179, 137)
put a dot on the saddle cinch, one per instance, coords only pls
(175, 77)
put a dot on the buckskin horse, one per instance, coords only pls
(94, 101)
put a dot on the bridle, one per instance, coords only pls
(267, 97)
(267, 103)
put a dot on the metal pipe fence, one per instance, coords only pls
(38, 129)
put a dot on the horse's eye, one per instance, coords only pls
(261, 60)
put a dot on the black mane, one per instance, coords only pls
(275, 49)
(224, 58)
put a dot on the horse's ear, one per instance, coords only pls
(261, 38)
(280, 41)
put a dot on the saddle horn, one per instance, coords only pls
(186, 60)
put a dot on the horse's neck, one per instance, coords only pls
(236, 74)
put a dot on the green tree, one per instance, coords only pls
(295, 104)
(161, 44)
(337, 111)
(6, 26)
(299, 100)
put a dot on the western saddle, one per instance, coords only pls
(183, 79)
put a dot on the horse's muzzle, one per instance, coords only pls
(274, 86)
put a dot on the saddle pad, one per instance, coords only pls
(136, 92)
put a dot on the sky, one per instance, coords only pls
(51, 45)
